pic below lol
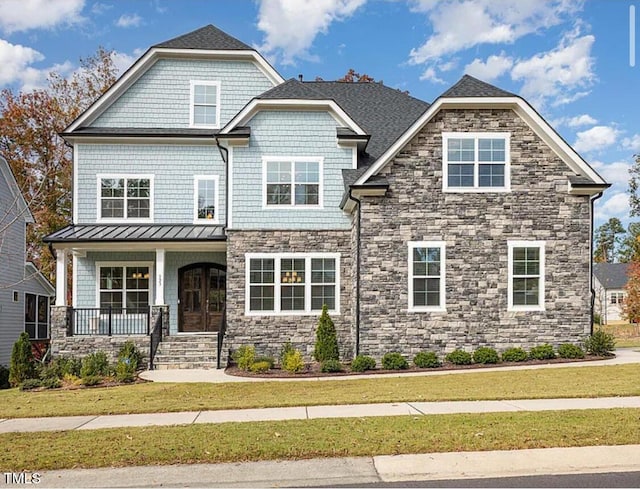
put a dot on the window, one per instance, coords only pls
(426, 276)
(475, 162)
(292, 283)
(206, 199)
(205, 104)
(125, 197)
(16, 296)
(292, 182)
(36, 316)
(526, 275)
(617, 297)
(124, 287)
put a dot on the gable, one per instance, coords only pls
(11, 197)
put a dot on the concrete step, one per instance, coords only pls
(185, 365)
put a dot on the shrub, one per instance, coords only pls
(71, 379)
(293, 362)
(21, 366)
(66, 366)
(4, 377)
(30, 384)
(331, 365)
(542, 352)
(362, 363)
(600, 343)
(597, 319)
(260, 367)
(286, 349)
(245, 356)
(459, 357)
(125, 370)
(95, 364)
(426, 359)
(514, 355)
(130, 354)
(90, 380)
(326, 339)
(485, 355)
(270, 360)
(51, 383)
(394, 361)
(570, 351)
(47, 371)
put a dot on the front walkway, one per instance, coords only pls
(623, 356)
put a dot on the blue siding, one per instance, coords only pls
(289, 133)
(173, 167)
(161, 96)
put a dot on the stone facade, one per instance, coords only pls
(63, 344)
(475, 227)
(269, 332)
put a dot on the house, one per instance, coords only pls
(24, 292)
(609, 281)
(218, 205)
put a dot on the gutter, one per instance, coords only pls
(224, 153)
(593, 292)
(359, 204)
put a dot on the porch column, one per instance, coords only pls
(159, 277)
(61, 277)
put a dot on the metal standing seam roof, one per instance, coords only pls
(96, 233)
(611, 275)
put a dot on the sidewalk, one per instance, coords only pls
(623, 356)
(358, 470)
(68, 423)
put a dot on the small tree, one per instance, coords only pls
(21, 366)
(631, 306)
(326, 339)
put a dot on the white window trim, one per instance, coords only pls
(475, 135)
(216, 180)
(24, 294)
(125, 264)
(277, 284)
(443, 265)
(193, 84)
(292, 160)
(126, 176)
(15, 296)
(541, 289)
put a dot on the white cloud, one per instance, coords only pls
(123, 61)
(558, 74)
(632, 143)
(100, 8)
(129, 20)
(462, 24)
(494, 67)
(34, 78)
(616, 173)
(429, 74)
(581, 120)
(615, 206)
(23, 15)
(290, 26)
(14, 60)
(596, 138)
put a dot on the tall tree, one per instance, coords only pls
(607, 241)
(631, 305)
(40, 159)
(634, 187)
(630, 244)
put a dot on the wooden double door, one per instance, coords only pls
(201, 293)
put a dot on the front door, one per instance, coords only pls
(201, 292)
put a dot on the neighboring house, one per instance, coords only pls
(609, 281)
(222, 205)
(24, 292)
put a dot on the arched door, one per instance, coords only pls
(201, 293)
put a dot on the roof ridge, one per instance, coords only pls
(470, 86)
(206, 37)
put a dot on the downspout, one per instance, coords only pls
(359, 204)
(593, 292)
(224, 153)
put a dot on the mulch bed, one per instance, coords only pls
(313, 369)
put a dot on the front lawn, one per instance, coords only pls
(614, 380)
(300, 439)
(626, 335)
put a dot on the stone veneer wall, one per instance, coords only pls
(269, 333)
(475, 227)
(63, 344)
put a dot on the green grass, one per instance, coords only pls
(300, 439)
(614, 380)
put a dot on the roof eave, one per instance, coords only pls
(587, 188)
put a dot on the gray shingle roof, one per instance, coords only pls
(96, 233)
(142, 131)
(611, 275)
(383, 112)
(469, 86)
(207, 37)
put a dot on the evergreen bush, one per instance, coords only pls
(4, 377)
(22, 366)
(293, 362)
(568, 350)
(542, 352)
(95, 365)
(459, 357)
(362, 363)
(426, 359)
(130, 354)
(245, 356)
(394, 361)
(326, 347)
(260, 366)
(514, 355)
(485, 355)
(331, 366)
(600, 343)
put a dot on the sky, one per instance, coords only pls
(573, 60)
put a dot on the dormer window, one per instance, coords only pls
(205, 104)
(475, 162)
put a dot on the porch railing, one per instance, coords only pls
(156, 339)
(221, 333)
(110, 321)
